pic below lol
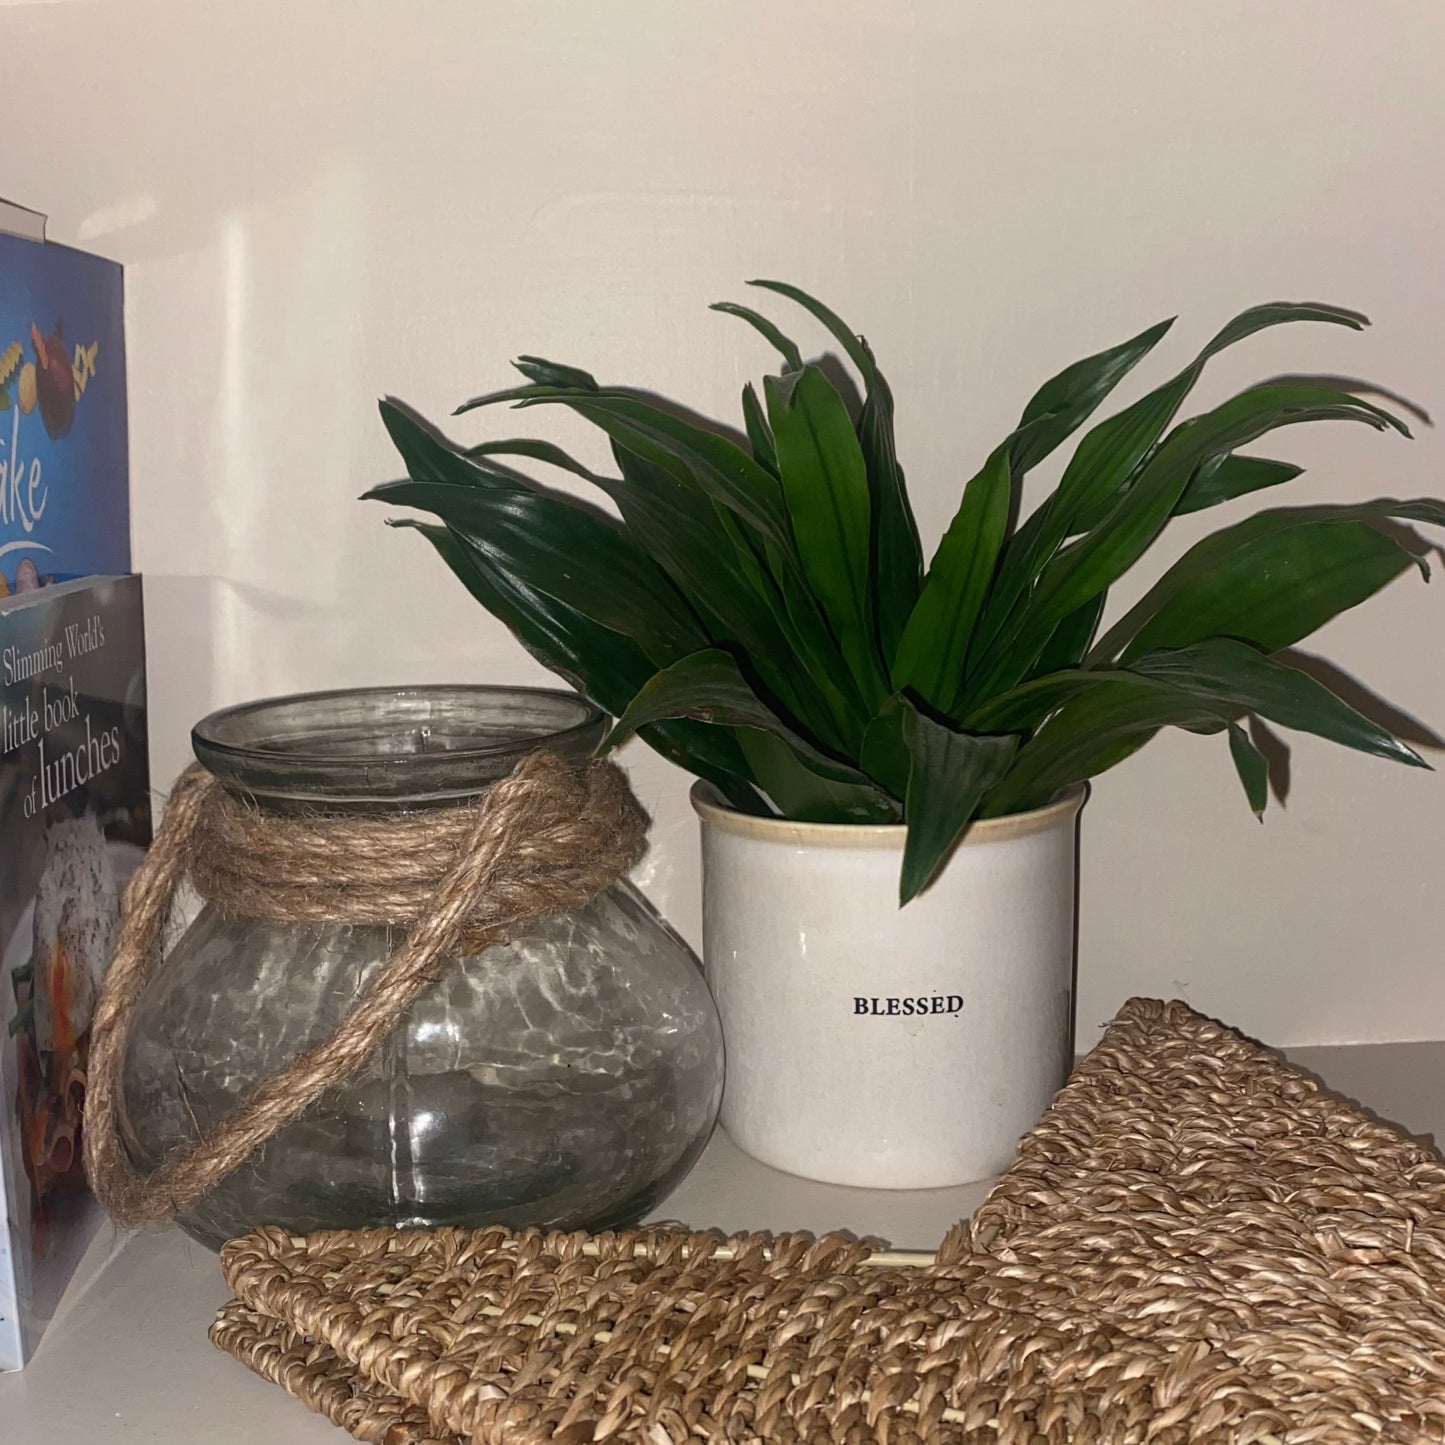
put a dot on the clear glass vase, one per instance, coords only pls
(569, 1078)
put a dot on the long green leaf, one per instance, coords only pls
(799, 793)
(1278, 313)
(710, 687)
(690, 543)
(884, 755)
(429, 458)
(845, 336)
(533, 391)
(578, 556)
(825, 482)
(598, 662)
(818, 675)
(1064, 402)
(1252, 767)
(1071, 639)
(943, 777)
(801, 618)
(935, 643)
(542, 372)
(1101, 557)
(594, 659)
(691, 540)
(760, 438)
(1023, 708)
(1237, 675)
(534, 450)
(1056, 410)
(1109, 454)
(1095, 730)
(786, 348)
(1106, 456)
(1077, 575)
(712, 464)
(1107, 459)
(717, 467)
(1228, 477)
(897, 552)
(950, 773)
(551, 542)
(1270, 580)
(1191, 447)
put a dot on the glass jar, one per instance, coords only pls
(569, 1078)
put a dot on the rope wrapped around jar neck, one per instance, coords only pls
(545, 839)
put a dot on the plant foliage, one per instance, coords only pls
(759, 609)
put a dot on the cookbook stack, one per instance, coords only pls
(74, 781)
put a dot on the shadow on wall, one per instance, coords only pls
(1350, 689)
(1385, 714)
(1413, 1055)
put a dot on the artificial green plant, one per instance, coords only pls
(760, 611)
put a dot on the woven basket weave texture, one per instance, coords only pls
(1197, 1244)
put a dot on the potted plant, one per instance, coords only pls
(891, 754)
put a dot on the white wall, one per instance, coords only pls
(322, 202)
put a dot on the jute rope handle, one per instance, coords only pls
(546, 838)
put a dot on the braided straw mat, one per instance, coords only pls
(1196, 1244)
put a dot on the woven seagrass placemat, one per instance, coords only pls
(1195, 1245)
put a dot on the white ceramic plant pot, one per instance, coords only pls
(883, 1047)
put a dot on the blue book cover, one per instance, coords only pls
(74, 822)
(64, 449)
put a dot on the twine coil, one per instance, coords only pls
(545, 839)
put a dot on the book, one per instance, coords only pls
(75, 819)
(21, 221)
(64, 448)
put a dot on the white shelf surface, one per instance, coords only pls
(127, 1362)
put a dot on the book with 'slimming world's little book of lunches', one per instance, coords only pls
(74, 822)
(64, 449)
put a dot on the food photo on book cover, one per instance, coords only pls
(75, 815)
